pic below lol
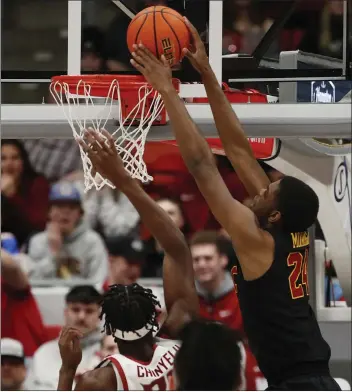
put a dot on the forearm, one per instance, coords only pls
(66, 378)
(234, 140)
(155, 218)
(194, 149)
(227, 123)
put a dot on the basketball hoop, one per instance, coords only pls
(128, 99)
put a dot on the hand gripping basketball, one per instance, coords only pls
(197, 55)
(157, 72)
(162, 30)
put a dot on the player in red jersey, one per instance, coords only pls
(130, 312)
(270, 236)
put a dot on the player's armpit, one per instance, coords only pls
(102, 379)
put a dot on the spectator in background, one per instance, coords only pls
(116, 50)
(67, 248)
(173, 208)
(108, 347)
(177, 183)
(110, 211)
(217, 295)
(82, 312)
(13, 368)
(326, 36)
(154, 252)
(24, 193)
(55, 158)
(209, 359)
(126, 258)
(92, 58)
(245, 24)
(20, 316)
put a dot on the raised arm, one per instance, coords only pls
(179, 290)
(234, 140)
(238, 220)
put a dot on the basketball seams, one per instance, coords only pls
(160, 24)
(173, 30)
(175, 16)
(155, 30)
(140, 28)
(158, 11)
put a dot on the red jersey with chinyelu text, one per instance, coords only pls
(134, 375)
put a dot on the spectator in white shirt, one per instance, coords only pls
(108, 210)
(82, 312)
(13, 368)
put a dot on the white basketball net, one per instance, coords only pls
(82, 113)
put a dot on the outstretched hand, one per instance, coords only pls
(197, 55)
(70, 348)
(157, 72)
(103, 155)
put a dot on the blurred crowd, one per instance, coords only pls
(51, 229)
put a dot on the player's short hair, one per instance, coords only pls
(209, 358)
(206, 237)
(298, 204)
(129, 308)
(85, 294)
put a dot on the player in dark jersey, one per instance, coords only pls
(269, 235)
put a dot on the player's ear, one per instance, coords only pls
(274, 216)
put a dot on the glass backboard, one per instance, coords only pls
(41, 39)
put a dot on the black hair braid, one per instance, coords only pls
(129, 308)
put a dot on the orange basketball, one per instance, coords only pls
(162, 30)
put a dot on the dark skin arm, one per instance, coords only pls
(102, 379)
(179, 291)
(254, 247)
(71, 356)
(234, 140)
